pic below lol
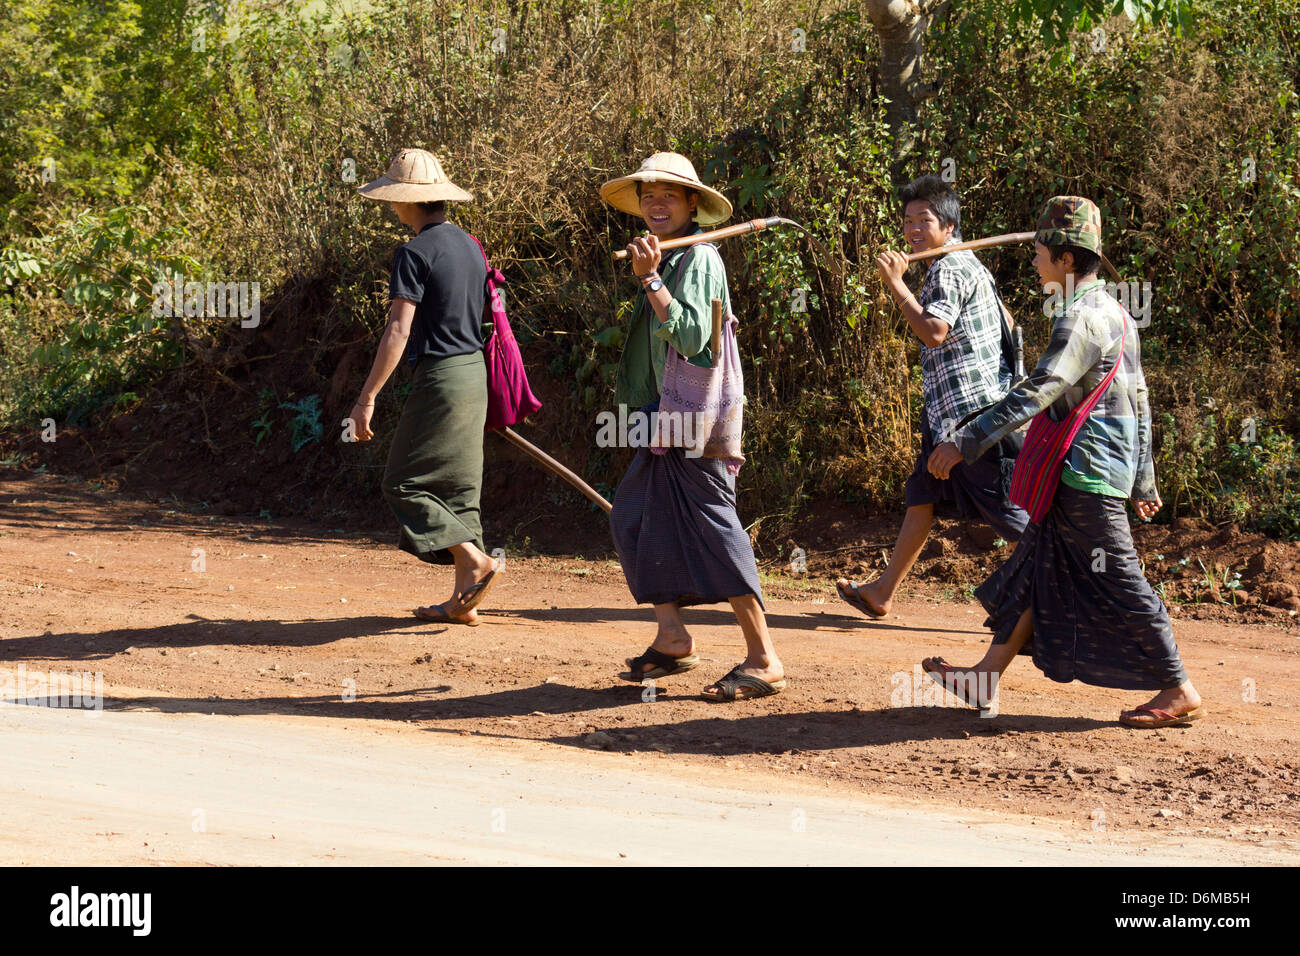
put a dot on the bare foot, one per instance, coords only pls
(438, 614)
(768, 669)
(974, 686)
(469, 576)
(1176, 702)
(867, 598)
(673, 641)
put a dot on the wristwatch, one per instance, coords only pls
(655, 285)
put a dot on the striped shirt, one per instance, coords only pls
(1113, 448)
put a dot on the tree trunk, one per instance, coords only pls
(901, 25)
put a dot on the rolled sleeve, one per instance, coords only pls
(686, 328)
(945, 295)
(690, 312)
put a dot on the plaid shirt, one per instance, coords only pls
(1114, 444)
(966, 372)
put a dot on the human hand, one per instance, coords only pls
(892, 264)
(360, 416)
(1146, 510)
(943, 459)
(645, 254)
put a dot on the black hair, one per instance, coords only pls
(438, 208)
(1085, 260)
(943, 199)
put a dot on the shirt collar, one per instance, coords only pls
(951, 241)
(1080, 291)
(674, 256)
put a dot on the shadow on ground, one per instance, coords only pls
(722, 731)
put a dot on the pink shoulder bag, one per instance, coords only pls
(701, 410)
(510, 399)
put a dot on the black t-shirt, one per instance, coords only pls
(441, 270)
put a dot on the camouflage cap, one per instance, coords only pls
(1070, 220)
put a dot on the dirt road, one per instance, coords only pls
(285, 689)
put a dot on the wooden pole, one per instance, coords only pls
(998, 241)
(1109, 268)
(754, 225)
(553, 466)
(972, 244)
(833, 264)
(717, 331)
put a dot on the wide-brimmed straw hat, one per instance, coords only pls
(414, 175)
(711, 208)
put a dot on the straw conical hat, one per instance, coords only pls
(711, 208)
(414, 175)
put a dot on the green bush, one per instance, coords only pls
(1233, 468)
(80, 327)
(531, 106)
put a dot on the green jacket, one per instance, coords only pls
(695, 276)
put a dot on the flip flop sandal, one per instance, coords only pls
(474, 596)
(735, 680)
(851, 596)
(438, 615)
(664, 666)
(941, 672)
(1163, 717)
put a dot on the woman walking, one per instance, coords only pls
(674, 521)
(1073, 594)
(435, 466)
